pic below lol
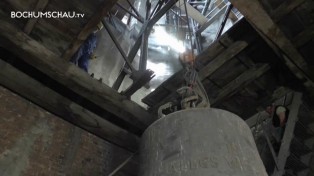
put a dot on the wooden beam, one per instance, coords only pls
(242, 80)
(70, 76)
(285, 8)
(40, 6)
(19, 82)
(304, 37)
(288, 134)
(221, 59)
(276, 39)
(88, 28)
(211, 52)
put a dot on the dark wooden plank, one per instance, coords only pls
(19, 82)
(88, 28)
(40, 6)
(242, 80)
(49, 36)
(304, 37)
(221, 59)
(26, 5)
(72, 77)
(285, 8)
(210, 53)
(288, 135)
(276, 39)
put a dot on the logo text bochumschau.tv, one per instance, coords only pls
(49, 14)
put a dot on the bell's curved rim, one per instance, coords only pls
(192, 109)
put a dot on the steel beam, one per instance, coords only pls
(208, 2)
(139, 18)
(193, 13)
(133, 8)
(144, 52)
(211, 20)
(224, 21)
(147, 26)
(157, 7)
(115, 41)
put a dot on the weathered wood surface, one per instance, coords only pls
(285, 8)
(211, 52)
(40, 6)
(72, 77)
(304, 37)
(276, 39)
(19, 82)
(284, 151)
(242, 80)
(89, 28)
(222, 58)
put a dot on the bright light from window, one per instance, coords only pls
(160, 69)
(125, 19)
(163, 38)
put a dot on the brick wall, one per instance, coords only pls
(35, 142)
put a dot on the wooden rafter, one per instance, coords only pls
(285, 8)
(276, 39)
(238, 83)
(288, 134)
(70, 76)
(19, 82)
(40, 6)
(88, 28)
(304, 37)
(221, 59)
